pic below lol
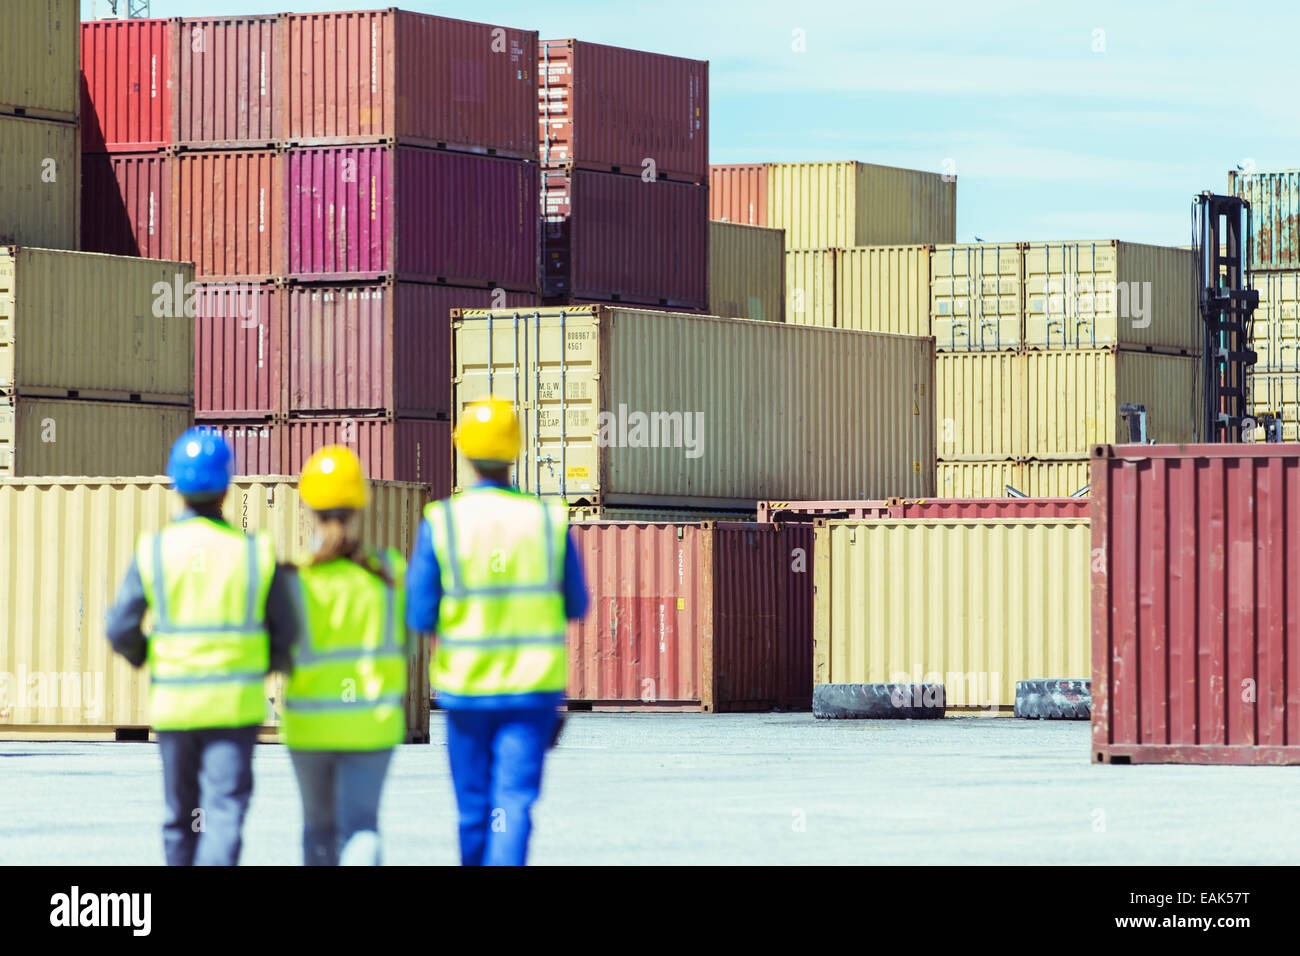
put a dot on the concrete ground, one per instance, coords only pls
(760, 788)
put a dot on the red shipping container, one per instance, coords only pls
(229, 91)
(808, 511)
(464, 219)
(1195, 626)
(1005, 509)
(239, 351)
(405, 449)
(126, 204)
(127, 80)
(258, 446)
(410, 77)
(738, 193)
(618, 110)
(714, 616)
(382, 347)
(228, 213)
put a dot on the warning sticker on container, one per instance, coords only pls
(681, 604)
(577, 472)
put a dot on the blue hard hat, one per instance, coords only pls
(201, 463)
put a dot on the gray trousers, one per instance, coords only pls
(207, 783)
(340, 805)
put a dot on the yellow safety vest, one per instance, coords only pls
(209, 651)
(501, 623)
(348, 689)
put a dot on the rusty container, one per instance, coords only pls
(127, 83)
(402, 449)
(239, 351)
(126, 204)
(228, 208)
(738, 193)
(229, 92)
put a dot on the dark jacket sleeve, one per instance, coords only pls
(423, 583)
(283, 617)
(576, 598)
(125, 617)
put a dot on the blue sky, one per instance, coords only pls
(1063, 120)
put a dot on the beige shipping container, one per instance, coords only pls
(975, 604)
(70, 543)
(810, 287)
(1275, 332)
(977, 296)
(746, 272)
(1275, 393)
(883, 289)
(1037, 478)
(637, 407)
(40, 183)
(1096, 294)
(61, 436)
(85, 325)
(40, 57)
(581, 513)
(980, 407)
(837, 204)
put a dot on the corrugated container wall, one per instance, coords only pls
(977, 297)
(420, 79)
(654, 401)
(138, 344)
(883, 289)
(60, 436)
(259, 446)
(230, 89)
(239, 351)
(1034, 477)
(1275, 216)
(1275, 331)
(405, 449)
(38, 59)
(1276, 393)
(127, 83)
(974, 604)
(806, 512)
(746, 272)
(40, 172)
(228, 213)
(126, 204)
(1195, 630)
(810, 286)
(619, 110)
(738, 193)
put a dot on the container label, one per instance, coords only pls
(577, 473)
(681, 604)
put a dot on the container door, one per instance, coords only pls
(976, 296)
(1072, 290)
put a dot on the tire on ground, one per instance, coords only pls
(878, 701)
(1054, 699)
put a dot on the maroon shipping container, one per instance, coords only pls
(405, 449)
(259, 446)
(395, 75)
(1195, 621)
(808, 511)
(127, 79)
(738, 193)
(239, 352)
(464, 219)
(620, 239)
(381, 347)
(228, 213)
(1001, 508)
(710, 616)
(126, 204)
(613, 109)
(229, 91)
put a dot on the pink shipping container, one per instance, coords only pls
(404, 449)
(367, 212)
(1004, 509)
(708, 617)
(239, 352)
(229, 91)
(228, 207)
(127, 80)
(1195, 625)
(381, 347)
(410, 77)
(126, 204)
(609, 108)
(259, 446)
(738, 193)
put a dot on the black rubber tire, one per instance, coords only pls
(878, 701)
(1054, 699)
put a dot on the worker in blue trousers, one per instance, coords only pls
(495, 575)
(223, 617)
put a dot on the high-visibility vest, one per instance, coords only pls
(348, 689)
(501, 623)
(209, 651)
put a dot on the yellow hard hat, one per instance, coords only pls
(489, 431)
(333, 478)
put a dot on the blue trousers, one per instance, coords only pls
(496, 767)
(207, 783)
(340, 805)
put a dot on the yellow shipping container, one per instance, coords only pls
(810, 287)
(1058, 478)
(60, 436)
(40, 182)
(70, 541)
(1275, 333)
(976, 604)
(1276, 393)
(977, 296)
(837, 204)
(883, 289)
(979, 404)
(40, 57)
(638, 407)
(746, 271)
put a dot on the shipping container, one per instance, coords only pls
(980, 404)
(1275, 330)
(651, 514)
(808, 511)
(636, 407)
(623, 111)
(810, 287)
(259, 445)
(78, 324)
(364, 212)
(419, 79)
(738, 193)
(230, 90)
(1111, 293)
(1273, 393)
(40, 172)
(839, 204)
(239, 351)
(404, 449)
(977, 296)
(127, 82)
(39, 60)
(228, 209)
(973, 478)
(746, 272)
(974, 604)
(61, 436)
(1274, 199)
(711, 617)
(989, 508)
(1195, 641)
(126, 204)
(73, 541)
(883, 289)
